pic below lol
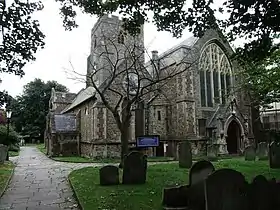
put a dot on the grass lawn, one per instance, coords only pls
(41, 147)
(5, 173)
(92, 196)
(13, 153)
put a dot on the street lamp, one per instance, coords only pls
(8, 116)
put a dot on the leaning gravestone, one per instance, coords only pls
(3, 153)
(109, 175)
(274, 155)
(250, 153)
(224, 190)
(134, 168)
(185, 155)
(262, 151)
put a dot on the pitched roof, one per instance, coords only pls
(188, 43)
(81, 97)
(64, 97)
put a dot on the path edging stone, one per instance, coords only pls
(74, 193)
(9, 180)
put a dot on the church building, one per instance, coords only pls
(203, 104)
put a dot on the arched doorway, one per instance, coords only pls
(233, 137)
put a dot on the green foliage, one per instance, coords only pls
(256, 21)
(263, 79)
(6, 171)
(20, 37)
(8, 140)
(30, 109)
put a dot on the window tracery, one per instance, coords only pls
(215, 75)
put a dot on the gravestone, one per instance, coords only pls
(225, 189)
(250, 153)
(109, 175)
(212, 151)
(262, 151)
(259, 194)
(175, 197)
(274, 155)
(198, 173)
(3, 153)
(134, 168)
(185, 155)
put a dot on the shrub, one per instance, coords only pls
(12, 139)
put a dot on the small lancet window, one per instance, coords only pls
(95, 42)
(121, 37)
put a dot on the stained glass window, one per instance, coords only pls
(214, 61)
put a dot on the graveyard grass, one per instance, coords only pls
(13, 153)
(42, 148)
(6, 171)
(92, 196)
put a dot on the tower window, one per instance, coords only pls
(159, 115)
(121, 38)
(202, 127)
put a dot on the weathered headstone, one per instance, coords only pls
(212, 151)
(3, 153)
(134, 168)
(274, 155)
(175, 197)
(185, 155)
(109, 175)
(224, 190)
(259, 194)
(262, 151)
(250, 153)
(200, 171)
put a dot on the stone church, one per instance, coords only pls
(204, 104)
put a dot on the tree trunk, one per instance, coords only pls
(124, 129)
(124, 144)
(256, 123)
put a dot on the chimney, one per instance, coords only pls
(154, 55)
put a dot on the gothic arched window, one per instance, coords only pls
(215, 75)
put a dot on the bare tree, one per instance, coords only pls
(122, 79)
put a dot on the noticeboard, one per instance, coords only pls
(65, 123)
(148, 141)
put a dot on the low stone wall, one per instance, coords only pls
(100, 150)
(198, 148)
(69, 149)
(63, 145)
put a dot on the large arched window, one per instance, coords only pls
(215, 76)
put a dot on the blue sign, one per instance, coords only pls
(147, 141)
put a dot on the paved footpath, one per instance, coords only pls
(40, 183)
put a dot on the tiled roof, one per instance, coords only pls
(63, 97)
(189, 43)
(82, 96)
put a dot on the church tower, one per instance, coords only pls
(109, 44)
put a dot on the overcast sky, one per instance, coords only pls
(64, 46)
